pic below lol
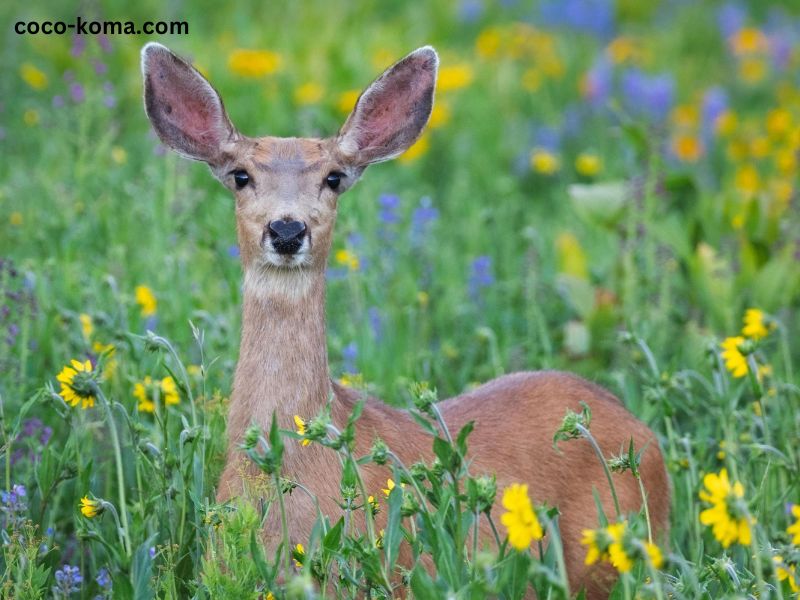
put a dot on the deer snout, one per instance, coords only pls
(286, 235)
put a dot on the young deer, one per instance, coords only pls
(286, 192)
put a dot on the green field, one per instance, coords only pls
(605, 187)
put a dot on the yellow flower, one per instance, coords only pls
(728, 521)
(794, 529)
(754, 324)
(269, 596)
(301, 428)
(784, 571)
(347, 101)
(308, 93)
(454, 78)
(33, 76)
(87, 327)
(759, 147)
(390, 485)
(146, 300)
(379, 540)
(119, 155)
(735, 361)
(748, 40)
(687, 148)
(588, 164)
(616, 551)
(654, 554)
(725, 124)
(685, 116)
(76, 384)
(106, 350)
(30, 117)
(419, 148)
(779, 122)
(147, 391)
(520, 520)
(354, 380)
(752, 70)
(571, 257)
(299, 555)
(593, 552)
(253, 63)
(488, 43)
(90, 508)
(347, 258)
(747, 180)
(624, 49)
(373, 504)
(544, 162)
(15, 218)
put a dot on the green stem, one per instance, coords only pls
(287, 551)
(646, 509)
(112, 425)
(585, 433)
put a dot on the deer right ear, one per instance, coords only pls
(186, 112)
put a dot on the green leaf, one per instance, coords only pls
(142, 570)
(393, 535)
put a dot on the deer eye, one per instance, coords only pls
(241, 178)
(333, 179)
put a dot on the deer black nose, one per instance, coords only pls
(286, 235)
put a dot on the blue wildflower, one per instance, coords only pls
(731, 17)
(375, 322)
(646, 95)
(389, 204)
(68, 581)
(349, 355)
(481, 275)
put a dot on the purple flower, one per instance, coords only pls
(651, 96)
(58, 101)
(103, 579)
(596, 17)
(152, 552)
(375, 322)
(109, 101)
(731, 17)
(233, 251)
(78, 45)
(388, 212)
(68, 581)
(598, 82)
(104, 42)
(421, 219)
(100, 68)
(547, 137)
(481, 275)
(715, 102)
(76, 93)
(349, 355)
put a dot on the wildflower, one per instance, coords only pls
(779, 122)
(748, 180)
(354, 380)
(33, 76)
(794, 528)
(748, 40)
(374, 506)
(390, 485)
(301, 428)
(76, 383)
(13, 501)
(651, 96)
(299, 555)
(687, 148)
(591, 538)
(785, 571)
(30, 117)
(654, 555)
(347, 101)
(481, 275)
(617, 554)
(725, 124)
(419, 148)
(107, 352)
(735, 361)
(103, 579)
(308, 93)
(729, 521)
(588, 164)
(520, 520)
(379, 540)
(685, 116)
(752, 70)
(571, 257)
(76, 93)
(348, 259)
(68, 581)
(488, 43)
(87, 327)
(146, 300)
(440, 115)
(15, 219)
(253, 63)
(147, 391)
(119, 155)
(624, 49)
(454, 78)
(91, 508)
(754, 324)
(544, 162)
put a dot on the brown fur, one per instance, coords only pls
(283, 365)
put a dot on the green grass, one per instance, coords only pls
(89, 210)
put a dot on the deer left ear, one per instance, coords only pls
(392, 112)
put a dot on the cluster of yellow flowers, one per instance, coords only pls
(520, 519)
(301, 428)
(728, 516)
(147, 392)
(617, 545)
(146, 300)
(734, 349)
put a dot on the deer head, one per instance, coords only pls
(286, 189)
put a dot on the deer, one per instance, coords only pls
(286, 193)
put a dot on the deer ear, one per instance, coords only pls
(392, 112)
(186, 112)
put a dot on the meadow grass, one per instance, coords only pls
(605, 188)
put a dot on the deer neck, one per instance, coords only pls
(283, 359)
